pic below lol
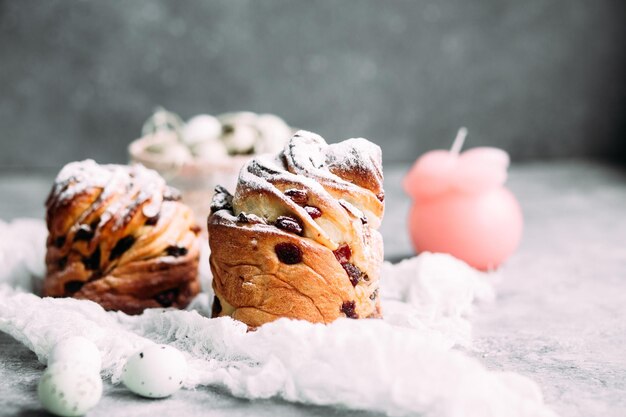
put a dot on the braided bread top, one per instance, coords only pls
(332, 194)
(105, 221)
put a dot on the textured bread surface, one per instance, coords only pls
(119, 236)
(298, 238)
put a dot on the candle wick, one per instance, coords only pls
(459, 141)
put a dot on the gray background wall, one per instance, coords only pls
(541, 78)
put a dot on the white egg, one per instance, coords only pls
(77, 349)
(176, 153)
(201, 128)
(69, 389)
(238, 118)
(210, 151)
(274, 134)
(155, 372)
(240, 139)
(158, 142)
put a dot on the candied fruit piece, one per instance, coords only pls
(313, 211)
(297, 196)
(343, 253)
(354, 273)
(348, 308)
(289, 224)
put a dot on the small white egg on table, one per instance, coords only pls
(69, 389)
(155, 372)
(77, 349)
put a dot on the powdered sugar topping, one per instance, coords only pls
(134, 186)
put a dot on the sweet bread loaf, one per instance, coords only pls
(298, 239)
(119, 236)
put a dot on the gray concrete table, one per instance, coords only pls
(560, 316)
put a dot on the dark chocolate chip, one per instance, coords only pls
(216, 308)
(73, 286)
(348, 308)
(313, 211)
(288, 253)
(227, 129)
(381, 196)
(84, 232)
(167, 297)
(374, 295)
(93, 262)
(364, 220)
(289, 224)
(62, 262)
(121, 246)
(141, 355)
(176, 251)
(354, 273)
(59, 242)
(152, 221)
(343, 253)
(297, 196)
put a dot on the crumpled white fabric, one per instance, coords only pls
(405, 364)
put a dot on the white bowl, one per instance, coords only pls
(195, 178)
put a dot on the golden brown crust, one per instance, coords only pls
(297, 240)
(118, 237)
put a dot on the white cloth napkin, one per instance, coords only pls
(405, 364)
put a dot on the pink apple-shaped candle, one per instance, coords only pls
(461, 206)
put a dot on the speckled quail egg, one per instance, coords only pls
(155, 372)
(201, 128)
(77, 349)
(69, 389)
